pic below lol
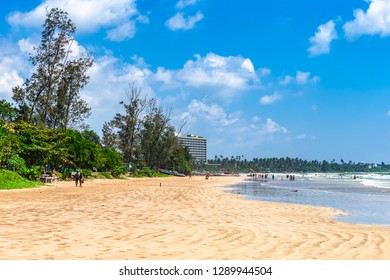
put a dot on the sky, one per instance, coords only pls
(307, 79)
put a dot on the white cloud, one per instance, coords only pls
(269, 99)
(109, 77)
(325, 34)
(185, 3)
(211, 113)
(27, 46)
(301, 78)
(375, 20)
(271, 127)
(10, 67)
(122, 32)
(164, 75)
(118, 16)
(287, 80)
(248, 65)
(181, 22)
(215, 70)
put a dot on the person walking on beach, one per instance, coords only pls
(81, 178)
(77, 178)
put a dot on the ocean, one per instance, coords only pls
(365, 199)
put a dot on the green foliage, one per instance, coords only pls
(145, 172)
(128, 125)
(145, 137)
(85, 154)
(41, 147)
(112, 158)
(9, 143)
(12, 180)
(181, 160)
(239, 164)
(17, 164)
(107, 175)
(86, 172)
(33, 173)
(51, 96)
(119, 170)
(91, 136)
(109, 136)
(7, 112)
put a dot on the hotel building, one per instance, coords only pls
(197, 146)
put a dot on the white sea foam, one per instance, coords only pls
(376, 180)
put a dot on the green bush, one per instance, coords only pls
(145, 172)
(106, 175)
(18, 164)
(32, 173)
(86, 172)
(118, 170)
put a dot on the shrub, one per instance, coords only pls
(118, 170)
(86, 172)
(106, 175)
(145, 172)
(17, 164)
(32, 173)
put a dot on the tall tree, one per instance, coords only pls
(157, 137)
(51, 96)
(109, 139)
(128, 125)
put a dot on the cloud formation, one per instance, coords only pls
(320, 42)
(271, 127)
(213, 113)
(117, 16)
(269, 99)
(234, 72)
(374, 21)
(181, 22)
(301, 78)
(185, 3)
(9, 75)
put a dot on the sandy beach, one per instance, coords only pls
(183, 219)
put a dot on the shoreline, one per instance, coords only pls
(184, 219)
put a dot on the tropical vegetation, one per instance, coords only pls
(44, 130)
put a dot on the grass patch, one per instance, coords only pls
(149, 173)
(10, 180)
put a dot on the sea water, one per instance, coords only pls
(366, 199)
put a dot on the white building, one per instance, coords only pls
(197, 146)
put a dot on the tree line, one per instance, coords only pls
(287, 164)
(45, 125)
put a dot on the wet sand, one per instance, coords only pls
(184, 219)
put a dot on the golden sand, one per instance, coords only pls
(183, 219)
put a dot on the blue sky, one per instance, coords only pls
(304, 78)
